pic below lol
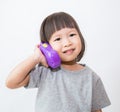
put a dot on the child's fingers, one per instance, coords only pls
(40, 55)
(38, 45)
(44, 62)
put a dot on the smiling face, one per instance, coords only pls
(67, 43)
(62, 32)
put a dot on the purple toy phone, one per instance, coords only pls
(51, 55)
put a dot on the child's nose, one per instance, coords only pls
(67, 43)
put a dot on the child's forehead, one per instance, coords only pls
(64, 30)
(59, 23)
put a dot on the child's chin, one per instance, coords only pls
(69, 62)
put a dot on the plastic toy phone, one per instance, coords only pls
(51, 55)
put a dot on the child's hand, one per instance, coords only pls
(39, 57)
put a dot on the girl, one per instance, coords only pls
(72, 87)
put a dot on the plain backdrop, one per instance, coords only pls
(20, 20)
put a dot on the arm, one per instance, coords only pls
(19, 76)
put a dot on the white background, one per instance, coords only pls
(20, 20)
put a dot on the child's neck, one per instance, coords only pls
(69, 62)
(72, 65)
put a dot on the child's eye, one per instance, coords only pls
(73, 34)
(57, 39)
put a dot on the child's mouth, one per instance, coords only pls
(69, 51)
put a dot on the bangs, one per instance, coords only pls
(57, 22)
(62, 22)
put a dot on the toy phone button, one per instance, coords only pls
(45, 45)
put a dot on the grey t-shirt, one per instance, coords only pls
(62, 90)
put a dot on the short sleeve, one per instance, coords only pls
(99, 95)
(35, 77)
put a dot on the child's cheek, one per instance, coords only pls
(56, 48)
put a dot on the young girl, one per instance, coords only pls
(72, 87)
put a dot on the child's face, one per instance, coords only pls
(67, 43)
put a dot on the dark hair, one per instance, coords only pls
(57, 21)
